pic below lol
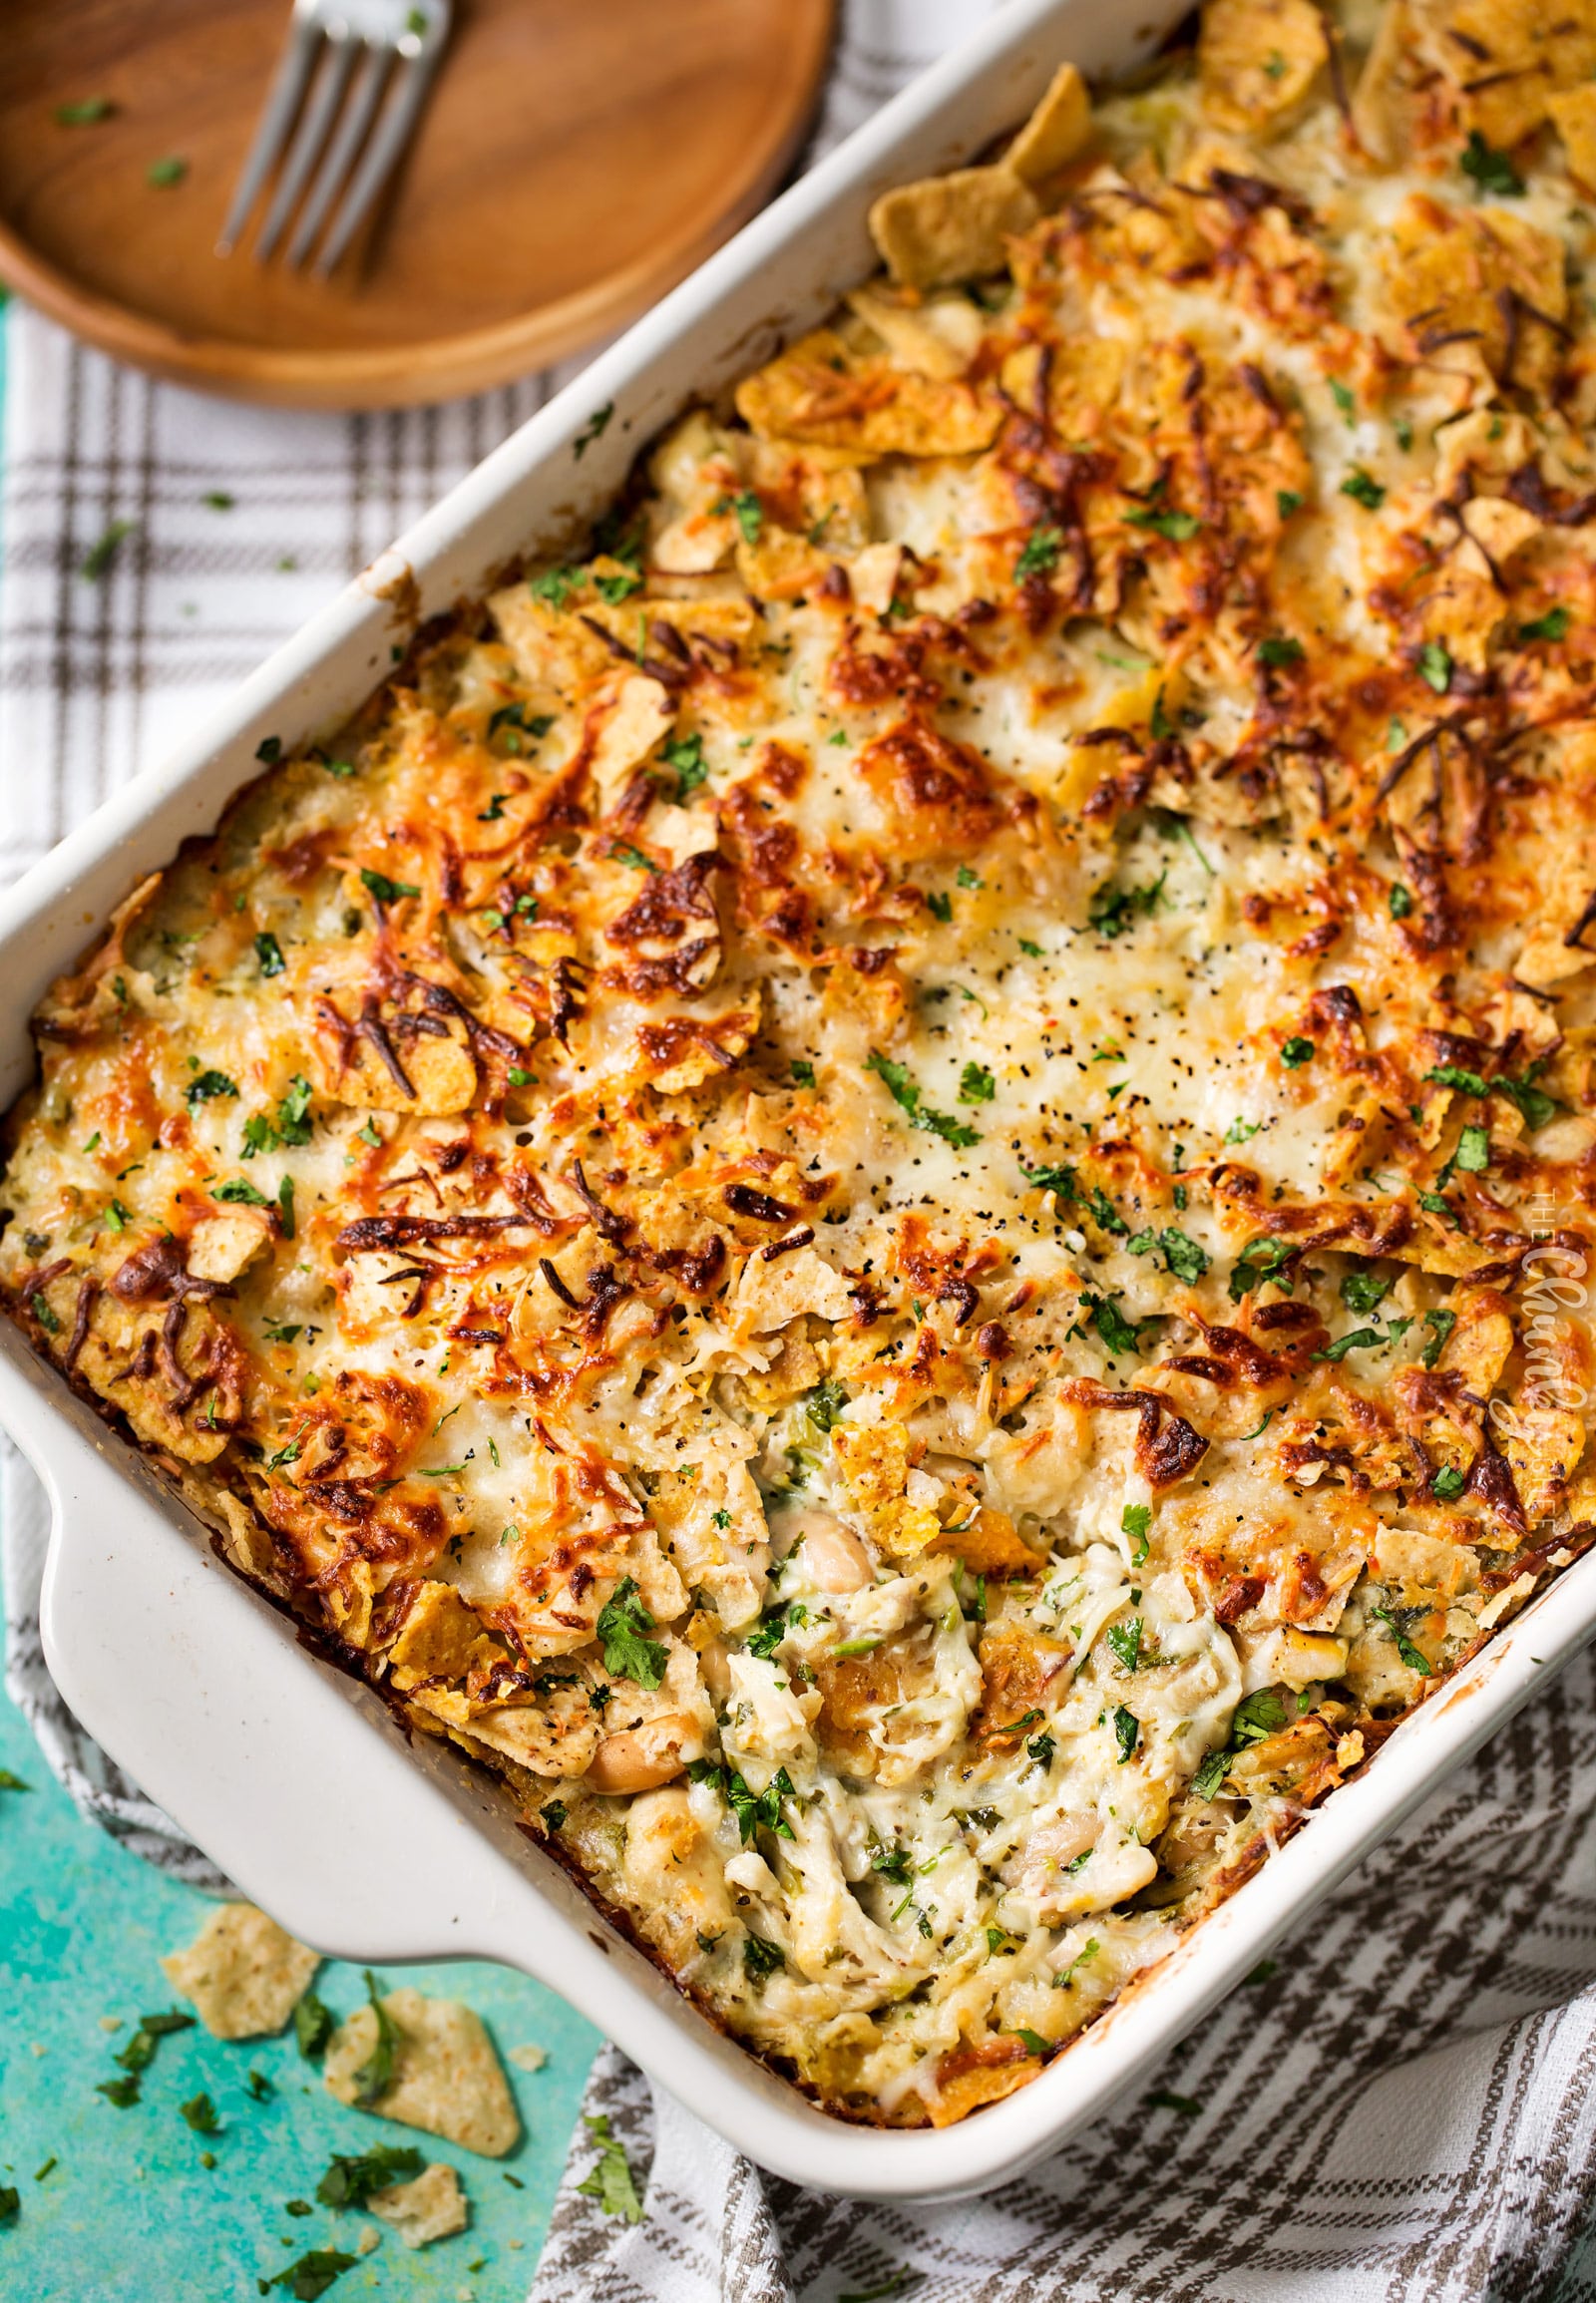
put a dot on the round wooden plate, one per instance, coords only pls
(575, 158)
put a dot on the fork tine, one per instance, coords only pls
(381, 153)
(287, 88)
(358, 115)
(315, 124)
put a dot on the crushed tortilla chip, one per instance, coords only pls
(1573, 115)
(529, 2058)
(1257, 60)
(446, 2073)
(817, 392)
(1055, 130)
(244, 1974)
(875, 1461)
(950, 228)
(430, 2207)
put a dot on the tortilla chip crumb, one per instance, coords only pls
(369, 2241)
(529, 2058)
(429, 2208)
(111, 2023)
(244, 1974)
(446, 2075)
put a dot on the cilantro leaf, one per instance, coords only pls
(349, 2182)
(1449, 1483)
(622, 1620)
(1124, 1641)
(977, 1084)
(1550, 627)
(1453, 1075)
(1363, 489)
(761, 1959)
(1359, 1339)
(1364, 1291)
(268, 952)
(1279, 654)
(1260, 1260)
(1134, 1521)
(375, 2075)
(1118, 1333)
(208, 1086)
(382, 888)
(1183, 1258)
(1040, 553)
(1112, 912)
(1414, 1658)
(312, 2275)
(1296, 1052)
(1176, 527)
(1434, 666)
(1127, 1732)
(1493, 171)
(685, 754)
(610, 2181)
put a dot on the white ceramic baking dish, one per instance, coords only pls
(292, 1778)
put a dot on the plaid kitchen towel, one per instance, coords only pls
(1400, 2107)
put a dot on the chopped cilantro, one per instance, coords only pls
(1183, 1258)
(208, 1086)
(826, 1403)
(1127, 1732)
(1161, 2100)
(1176, 527)
(1032, 2040)
(124, 2092)
(270, 750)
(941, 905)
(622, 1620)
(1279, 652)
(685, 754)
(1118, 1333)
(622, 852)
(1493, 171)
(85, 113)
(201, 2113)
(11, 1783)
(1359, 1339)
(1287, 500)
(761, 1958)
(1124, 1641)
(165, 172)
(609, 2181)
(1113, 911)
(1363, 489)
(1454, 1075)
(312, 2275)
(1259, 1715)
(1343, 396)
(1400, 900)
(1414, 1658)
(1031, 951)
(237, 1191)
(384, 890)
(312, 2027)
(556, 585)
(803, 1073)
(349, 2182)
(1473, 1150)
(375, 2075)
(1134, 1521)
(1550, 627)
(905, 1094)
(612, 589)
(1040, 553)
(268, 952)
(1434, 666)
(1296, 1052)
(977, 1084)
(592, 430)
(1449, 1483)
(100, 556)
(1364, 1291)
(749, 511)
(968, 879)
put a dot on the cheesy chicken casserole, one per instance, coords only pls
(888, 1183)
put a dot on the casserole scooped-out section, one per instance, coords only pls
(887, 1186)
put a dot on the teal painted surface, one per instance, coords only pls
(129, 2213)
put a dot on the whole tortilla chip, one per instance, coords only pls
(950, 228)
(429, 2208)
(244, 1974)
(1055, 130)
(446, 2075)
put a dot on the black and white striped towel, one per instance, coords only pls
(1403, 2109)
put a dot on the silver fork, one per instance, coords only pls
(383, 47)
